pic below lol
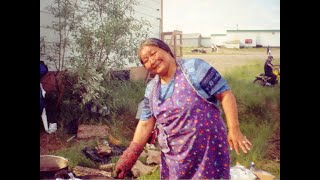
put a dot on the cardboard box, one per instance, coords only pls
(264, 176)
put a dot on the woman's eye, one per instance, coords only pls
(145, 61)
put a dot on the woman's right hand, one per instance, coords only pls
(127, 160)
(132, 153)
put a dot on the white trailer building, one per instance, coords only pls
(255, 38)
(218, 39)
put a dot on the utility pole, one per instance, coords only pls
(161, 21)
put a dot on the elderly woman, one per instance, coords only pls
(181, 101)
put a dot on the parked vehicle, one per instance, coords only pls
(262, 79)
(199, 50)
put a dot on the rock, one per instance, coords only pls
(103, 150)
(153, 157)
(141, 169)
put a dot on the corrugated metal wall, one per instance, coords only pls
(259, 38)
(218, 39)
(151, 11)
(242, 37)
(206, 42)
(192, 42)
(269, 38)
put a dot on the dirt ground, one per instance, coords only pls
(223, 60)
(50, 142)
(226, 59)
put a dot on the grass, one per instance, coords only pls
(259, 116)
(74, 154)
(154, 175)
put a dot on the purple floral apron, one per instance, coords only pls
(192, 134)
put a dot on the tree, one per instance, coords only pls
(99, 32)
(101, 35)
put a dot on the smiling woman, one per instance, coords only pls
(181, 103)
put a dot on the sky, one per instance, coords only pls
(216, 16)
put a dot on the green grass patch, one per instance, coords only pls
(259, 116)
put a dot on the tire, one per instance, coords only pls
(259, 82)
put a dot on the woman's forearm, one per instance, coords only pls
(229, 105)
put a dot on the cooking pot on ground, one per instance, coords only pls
(52, 167)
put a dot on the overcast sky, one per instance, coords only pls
(216, 16)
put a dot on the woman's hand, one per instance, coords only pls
(127, 160)
(236, 139)
(132, 153)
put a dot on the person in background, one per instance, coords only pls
(268, 51)
(51, 127)
(268, 71)
(43, 72)
(43, 115)
(181, 102)
(214, 48)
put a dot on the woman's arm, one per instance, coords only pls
(132, 153)
(143, 131)
(235, 138)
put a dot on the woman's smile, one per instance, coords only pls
(156, 64)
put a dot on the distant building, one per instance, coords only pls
(254, 38)
(247, 38)
(218, 39)
(191, 40)
(234, 39)
(206, 42)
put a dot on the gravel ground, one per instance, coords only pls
(229, 58)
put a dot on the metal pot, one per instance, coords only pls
(52, 167)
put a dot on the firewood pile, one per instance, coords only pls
(85, 172)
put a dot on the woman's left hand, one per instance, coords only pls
(236, 139)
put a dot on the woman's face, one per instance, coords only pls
(155, 59)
